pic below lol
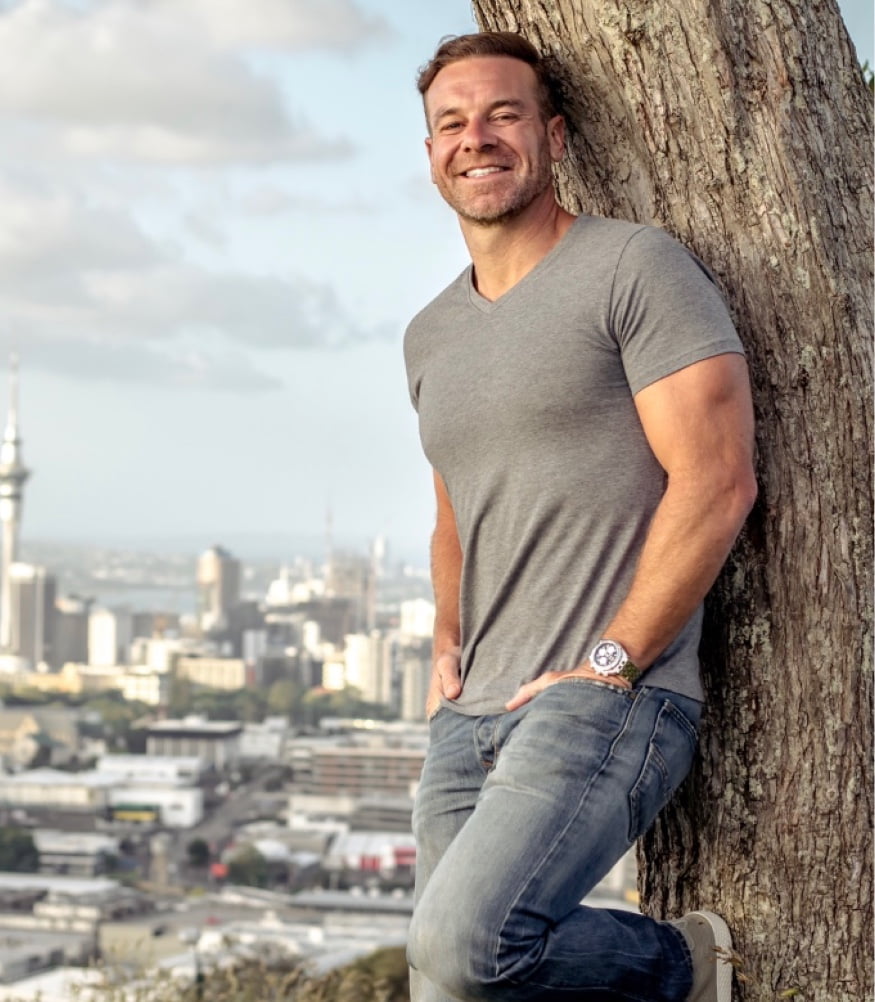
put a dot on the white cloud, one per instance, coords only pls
(205, 229)
(290, 24)
(97, 99)
(94, 295)
(166, 81)
(49, 231)
(268, 200)
(187, 367)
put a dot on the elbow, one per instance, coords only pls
(741, 495)
(748, 490)
(723, 498)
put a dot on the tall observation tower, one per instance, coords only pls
(13, 474)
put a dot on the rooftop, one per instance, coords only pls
(212, 728)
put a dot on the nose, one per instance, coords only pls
(478, 135)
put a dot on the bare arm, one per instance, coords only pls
(699, 423)
(446, 574)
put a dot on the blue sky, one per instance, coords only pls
(215, 222)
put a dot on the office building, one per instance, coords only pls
(32, 605)
(50, 791)
(70, 631)
(351, 577)
(414, 659)
(217, 742)
(230, 674)
(357, 771)
(417, 618)
(85, 854)
(109, 637)
(218, 583)
(368, 659)
(144, 685)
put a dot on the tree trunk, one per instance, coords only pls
(745, 129)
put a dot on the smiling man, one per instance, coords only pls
(584, 402)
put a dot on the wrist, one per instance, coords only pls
(610, 659)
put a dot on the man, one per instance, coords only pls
(584, 402)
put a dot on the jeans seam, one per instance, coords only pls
(487, 767)
(683, 721)
(654, 757)
(559, 835)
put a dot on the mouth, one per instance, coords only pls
(476, 172)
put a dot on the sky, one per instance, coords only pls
(215, 223)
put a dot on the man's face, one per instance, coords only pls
(490, 150)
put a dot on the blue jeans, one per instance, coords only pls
(517, 817)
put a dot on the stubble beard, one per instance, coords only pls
(516, 202)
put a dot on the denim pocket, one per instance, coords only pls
(435, 714)
(669, 757)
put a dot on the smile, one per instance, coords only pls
(483, 171)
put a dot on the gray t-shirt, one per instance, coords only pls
(526, 410)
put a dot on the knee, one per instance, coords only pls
(454, 956)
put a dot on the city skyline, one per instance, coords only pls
(207, 270)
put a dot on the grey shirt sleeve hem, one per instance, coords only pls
(673, 365)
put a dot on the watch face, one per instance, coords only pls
(607, 657)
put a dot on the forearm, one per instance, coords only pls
(688, 540)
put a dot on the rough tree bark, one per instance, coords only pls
(744, 127)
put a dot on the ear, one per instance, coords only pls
(556, 137)
(429, 151)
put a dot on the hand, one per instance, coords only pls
(530, 689)
(446, 679)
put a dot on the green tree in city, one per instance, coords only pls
(284, 697)
(179, 699)
(346, 702)
(248, 867)
(198, 851)
(117, 716)
(18, 852)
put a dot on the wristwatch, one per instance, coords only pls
(610, 658)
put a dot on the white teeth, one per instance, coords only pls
(482, 171)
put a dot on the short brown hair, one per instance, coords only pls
(453, 48)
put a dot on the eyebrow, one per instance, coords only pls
(504, 102)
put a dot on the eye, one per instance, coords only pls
(451, 126)
(504, 117)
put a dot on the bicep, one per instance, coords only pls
(700, 418)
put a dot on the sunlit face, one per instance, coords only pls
(491, 152)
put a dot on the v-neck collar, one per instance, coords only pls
(491, 305)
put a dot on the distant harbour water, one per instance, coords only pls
(145, 598)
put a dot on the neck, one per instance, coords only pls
(503, 253)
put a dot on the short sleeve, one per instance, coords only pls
(666, 311)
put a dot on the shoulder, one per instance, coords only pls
(604, 233)
(446, 311)
(651, 251)
(631, 245)
(602, 245)
(449, 299)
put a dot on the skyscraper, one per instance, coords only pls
(109, 637)
(13, 474)
(351, 576)
(218, 581)
(32, 603)
(70, 631)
